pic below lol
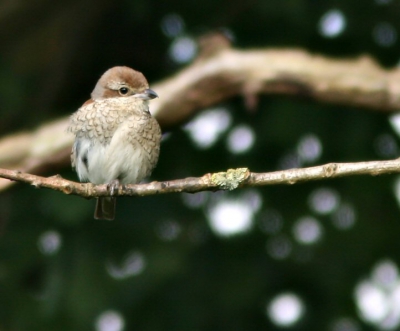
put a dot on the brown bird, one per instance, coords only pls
(117, 141)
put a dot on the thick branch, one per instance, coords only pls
(229, 180)
(358, 82)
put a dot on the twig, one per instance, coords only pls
(228, 180)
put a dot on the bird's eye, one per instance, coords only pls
(123, 90)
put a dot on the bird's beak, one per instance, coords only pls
(147, 95)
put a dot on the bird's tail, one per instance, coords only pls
(105, 208)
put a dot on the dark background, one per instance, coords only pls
(164, 264)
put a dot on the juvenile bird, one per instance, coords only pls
(117, 141)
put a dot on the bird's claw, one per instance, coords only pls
(113, 186)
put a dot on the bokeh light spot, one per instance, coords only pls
(371, 302)
(384, 34)
(49, 242)
(183, 49)
(133, 264)
(344, 217)
(240, 139)
(168, 230)
(378, 296)
(332, 23)
(110, 321)
(172, 25)
(385, 273)
(206, 128)
(279, 247)
(324, 200)
(309, 148)
(285, 309)
(394, 121)
(307, 230)
(386, 146)
(231, 216)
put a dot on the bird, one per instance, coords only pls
(117, 140)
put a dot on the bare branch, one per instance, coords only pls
(357, 82)
(229, 180)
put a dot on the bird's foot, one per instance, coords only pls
(113, 186)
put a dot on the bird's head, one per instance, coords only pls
(123, 82)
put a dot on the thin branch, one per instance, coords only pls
(229, 180)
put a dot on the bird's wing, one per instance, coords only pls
(95, 120)
(145, 131)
